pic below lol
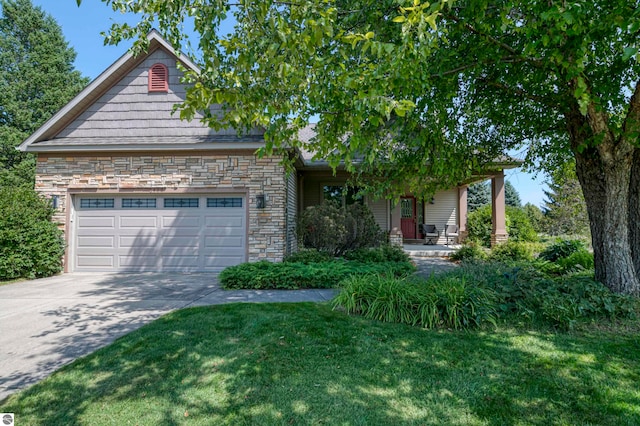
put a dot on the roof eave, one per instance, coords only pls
(213, 146)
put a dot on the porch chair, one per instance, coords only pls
(431, 234)
(451, 231)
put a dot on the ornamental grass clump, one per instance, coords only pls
(440, 301)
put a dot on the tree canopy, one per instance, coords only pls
(37, 78)
(422, 94)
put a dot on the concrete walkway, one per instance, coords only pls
(47, 323)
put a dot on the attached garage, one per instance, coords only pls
(187, 232)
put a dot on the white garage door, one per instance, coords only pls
(159, 233)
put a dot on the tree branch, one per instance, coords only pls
(515, 91)
(631, 126)
(536, 61)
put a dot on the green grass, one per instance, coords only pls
(306, 364)
(17, 280)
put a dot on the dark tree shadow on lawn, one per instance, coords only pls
(306, 364)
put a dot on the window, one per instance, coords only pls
(138, 203)
(406, 208)
(341, 195)
(224, 202)
(96, 203)
(181, 202)
(158, 78)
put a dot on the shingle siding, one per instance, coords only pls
(128, 109)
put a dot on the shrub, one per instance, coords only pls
(524, 292)
(436, 302)
(580, 259)
(512, 251)
(384, 253)
(31, 246)
(479, 225)
(561, 249)
(470, 251)
(307, 256)
(580, 297)
(293, 275)
(518, 225)
(336, 230)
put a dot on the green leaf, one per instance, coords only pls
(629, 52)
(399, 19)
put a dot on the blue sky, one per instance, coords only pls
(82, 27)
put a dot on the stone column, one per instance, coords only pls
(462, 212)
(498, 215)
(395, 234)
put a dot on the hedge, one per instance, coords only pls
(295, 275)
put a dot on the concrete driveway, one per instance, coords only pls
(47, 323)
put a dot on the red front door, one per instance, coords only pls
(408, 217)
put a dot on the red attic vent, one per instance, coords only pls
(158, 78)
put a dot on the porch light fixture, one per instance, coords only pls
(55, 200)
(260, 201)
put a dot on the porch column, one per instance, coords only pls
(462, 212)
(498, 215)
(395, 234)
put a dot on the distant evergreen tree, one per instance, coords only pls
(536, 217)
(565, 209)
(511, 196)
(478, 195)
(37, 78)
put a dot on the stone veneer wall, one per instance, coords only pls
(170, 173)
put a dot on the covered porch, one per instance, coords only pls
(446, 213)
(403, 220)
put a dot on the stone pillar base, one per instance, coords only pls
(498, 239)
(395, 238)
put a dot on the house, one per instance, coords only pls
(136, 188)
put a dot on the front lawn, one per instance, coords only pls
(306, 364)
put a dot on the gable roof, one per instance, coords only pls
(58, 134)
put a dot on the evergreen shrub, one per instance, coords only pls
(31, 246)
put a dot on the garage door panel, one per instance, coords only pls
(224, 221)
(224, 232)
(180, 242)
(139, 261)
(138, 241)
(181, 222)
(97, 261)
(138, 222)
(224, 242)
(96, 241)
(97, 222)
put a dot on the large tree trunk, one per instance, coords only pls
(605, 174)
(634, 211)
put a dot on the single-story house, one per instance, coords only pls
(136, 188)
